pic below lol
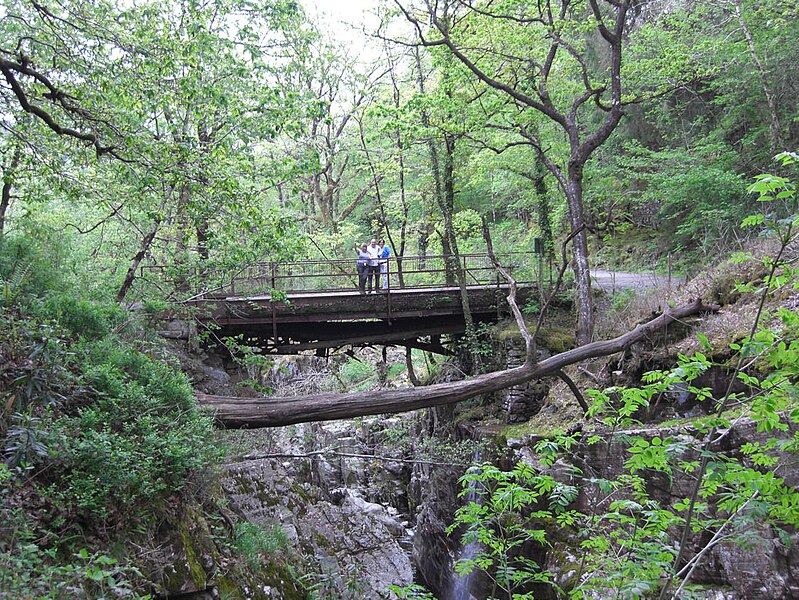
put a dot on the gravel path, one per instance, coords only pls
(611, 281)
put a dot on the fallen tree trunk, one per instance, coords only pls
(238, 413)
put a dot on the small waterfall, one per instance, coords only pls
(462, 584)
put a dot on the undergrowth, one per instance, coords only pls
(97, 437)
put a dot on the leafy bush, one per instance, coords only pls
(357, 371)
(24, 269)
(96, 435)
(29, 571)
(701, 205)
(113, 431)
(694, 197)
(92, 320)
(34, 370)
(135, 443)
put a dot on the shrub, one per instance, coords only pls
(24, 269)
(356, 371)
(92, 320)
(35, 358)
(135, 443)
(29, 571)
(113, 431)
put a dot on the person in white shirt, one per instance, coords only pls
(363, 266)
(374, 267)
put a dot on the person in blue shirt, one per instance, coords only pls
(385, 252)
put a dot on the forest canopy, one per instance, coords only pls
(151, 149)
(205, 136)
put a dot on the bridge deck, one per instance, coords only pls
(290, 307)
(303, 321)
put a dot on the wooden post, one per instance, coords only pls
(669, 271)
(388, 290)
(272, 303)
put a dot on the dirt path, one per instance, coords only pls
(612, 281)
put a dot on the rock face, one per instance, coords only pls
(352, 542)
(767, 569)
(434, 491)
(189, 562)
(524, 401)
(433, 552)
(191, 559)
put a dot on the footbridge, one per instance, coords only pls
(290, 307)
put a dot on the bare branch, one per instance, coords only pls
(529, 341)
(574, 390)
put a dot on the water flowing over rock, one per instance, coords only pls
(355, 543)
(462, 584)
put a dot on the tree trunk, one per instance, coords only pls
(236, 413)
(399, 249)
(775, 128)
(201, 225)
(454, 267)
(9, 174)
(544, 210)
(582, 275)
(130, 276)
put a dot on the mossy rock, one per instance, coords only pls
(229, 589)
(556, 339)
(193, 550)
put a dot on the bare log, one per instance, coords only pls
(239, 413)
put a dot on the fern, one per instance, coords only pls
(13, 284)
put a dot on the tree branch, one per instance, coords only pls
(10, 68)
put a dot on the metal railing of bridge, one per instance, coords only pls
(308, 276)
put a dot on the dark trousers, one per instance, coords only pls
(373, 274)
(362, 274)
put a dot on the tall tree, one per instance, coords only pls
(537, 56)
(337, 88)
(181, 93)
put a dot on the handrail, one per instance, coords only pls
(418, 271)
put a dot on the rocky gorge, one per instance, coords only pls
(368, 503)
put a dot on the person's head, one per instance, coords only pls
(363, 247)
(374, 241)
(381, 242)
